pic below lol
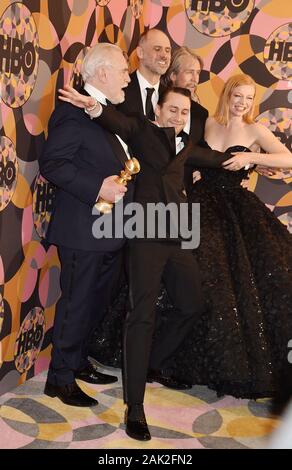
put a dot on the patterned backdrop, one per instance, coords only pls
(42, 43)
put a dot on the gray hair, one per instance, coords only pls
(98, 56)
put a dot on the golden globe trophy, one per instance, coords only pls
(132, 167)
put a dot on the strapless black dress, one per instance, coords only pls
(240, 346)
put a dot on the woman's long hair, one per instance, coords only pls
(222, 111)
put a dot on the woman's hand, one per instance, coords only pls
(238, 161)
(72, 96)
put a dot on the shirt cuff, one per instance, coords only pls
(94, 112)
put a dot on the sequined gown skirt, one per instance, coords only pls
(245, 256)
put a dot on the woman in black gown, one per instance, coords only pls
(245, 256)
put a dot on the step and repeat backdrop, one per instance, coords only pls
(42, 44)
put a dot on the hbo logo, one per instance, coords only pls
(280, 51)
(217, 6)
(15, 56)
(30, 339)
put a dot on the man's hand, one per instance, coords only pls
(265, 171)
(238, 161)
(72, 96)
(111, 191)
(196, 176)
(245, 184)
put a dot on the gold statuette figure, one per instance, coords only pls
(132, 167)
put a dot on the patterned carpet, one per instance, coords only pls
(178, 420)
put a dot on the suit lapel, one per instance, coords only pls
(134, 94)
(196, 130)
(169, 136)
(175, 157)
(116, 147)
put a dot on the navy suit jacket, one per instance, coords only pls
(78, 155)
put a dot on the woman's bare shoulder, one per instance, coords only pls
(258, 127)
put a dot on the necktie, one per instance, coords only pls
(149, 107)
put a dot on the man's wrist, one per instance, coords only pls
(253, 158)
(91, 108)
(94, 111)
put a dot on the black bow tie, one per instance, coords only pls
(184, 137)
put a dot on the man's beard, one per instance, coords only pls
(119, 99)
(158, 70)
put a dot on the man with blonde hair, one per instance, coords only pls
(185, 67)
(184, 71)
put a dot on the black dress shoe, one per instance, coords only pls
(70, 394)
(136, 424)
(167, 380)
(91, 375)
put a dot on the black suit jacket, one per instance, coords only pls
(133, 104)
(133, 100)
(78, 155)
(199, 116)
(161, 178)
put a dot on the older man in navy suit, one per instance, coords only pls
(83, 160)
